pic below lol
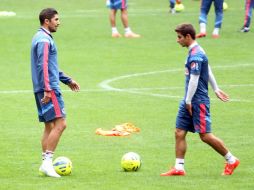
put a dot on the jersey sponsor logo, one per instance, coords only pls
(194, 66)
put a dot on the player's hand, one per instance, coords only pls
(108, 3)
(74, 86)
(46, 98)
(189, 108)
(222, 95)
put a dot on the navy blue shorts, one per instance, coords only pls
(118, 4)
(200, 122)
(53, 109)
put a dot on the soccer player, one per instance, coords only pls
(172, 5)
(204, 10)
(114, 6)
(194, 109)
(249, 5)
(46, 76)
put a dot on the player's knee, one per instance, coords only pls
(205, 138)
(61, 125)
(64, 126)
(179, 134)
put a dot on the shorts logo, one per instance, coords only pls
(63, 111)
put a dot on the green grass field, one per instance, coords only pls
(124, 80)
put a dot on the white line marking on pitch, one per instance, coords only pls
(106, 83)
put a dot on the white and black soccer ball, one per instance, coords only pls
(131, 161)
(62, 165)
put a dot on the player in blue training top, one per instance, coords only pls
(249, 6)
(46, 77)
(194, 110)
(114, 6)
(204, 10)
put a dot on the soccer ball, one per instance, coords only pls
(225, 6)
(131, 161)
(179, 7)
(62, 165)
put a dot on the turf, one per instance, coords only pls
(144, 79)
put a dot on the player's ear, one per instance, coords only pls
(188, 36)
(46, 21)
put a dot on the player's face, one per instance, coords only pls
(53, 23)
(181, 40)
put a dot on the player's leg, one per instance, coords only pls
(216, 143)
(47, 125)
(249, 4)
(218, 7)
(54, 119)
(180, 150)
(51, 140)
(219, 146)
(44, 139)
(55, 133)
(127, 30)
(183, 125)
(172, 6)
(202, 123)
(204, 10)
(180, 143)
(112, 18)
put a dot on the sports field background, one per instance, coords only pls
(124, 80)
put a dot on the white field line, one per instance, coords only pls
(98, 13)
(31, 92)
(106, 83)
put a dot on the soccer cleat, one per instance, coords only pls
(46, 169)
(41, 173)
(229, 168)
(116, 35)
(174, 172)
(131, 35)
(201, 35)
(245, 29)
(215, 36)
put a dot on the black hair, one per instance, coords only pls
(47, 13)
(185, 29)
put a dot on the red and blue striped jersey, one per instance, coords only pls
(44, 64)
(197, 64)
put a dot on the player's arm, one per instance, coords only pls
(192, 87)
(73, 85)
(219, 93)
(43, 52)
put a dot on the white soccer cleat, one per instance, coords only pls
(131, 35)
(46, 169)
(41, 172)
(116, 35)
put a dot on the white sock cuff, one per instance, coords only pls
(230, 158)
(114, 30)
(179, 161)
(202, 27)
(128, 29)
(179, 164)
(49, 155)
(216, 31)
